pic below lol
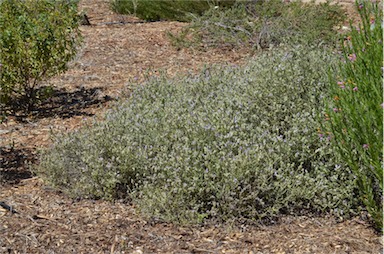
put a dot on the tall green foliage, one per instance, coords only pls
(37, 39)
(355, 112)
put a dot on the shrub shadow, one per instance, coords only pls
(14, 164)
(62, 103)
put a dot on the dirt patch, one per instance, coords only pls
(118, 49)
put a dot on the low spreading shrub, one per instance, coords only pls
(37, 39)
(232, 142)
(155, 10)
(263, 24)
(355, 108)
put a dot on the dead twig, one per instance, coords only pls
(7, 207)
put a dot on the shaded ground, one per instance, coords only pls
(14, 164)
(118, 49)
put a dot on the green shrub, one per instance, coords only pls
(355, 111)
(262, 24)
(155, 10)
(230, 143)
(37, 39)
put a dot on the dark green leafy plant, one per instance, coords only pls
(233, 142)
(37, 39)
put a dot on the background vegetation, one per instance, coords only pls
(260, 24)
(263, 24)
(155, 10)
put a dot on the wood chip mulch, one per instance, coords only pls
(42, 220)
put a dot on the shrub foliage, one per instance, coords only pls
(37, 39)
(233, 142)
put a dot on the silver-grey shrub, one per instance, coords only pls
(232, 142)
